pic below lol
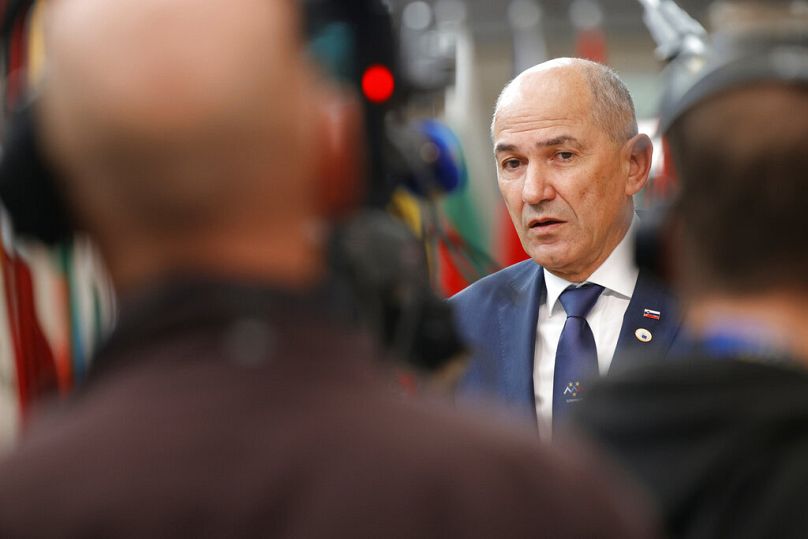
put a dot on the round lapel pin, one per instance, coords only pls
(643, 335)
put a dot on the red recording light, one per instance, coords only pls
(378, 84)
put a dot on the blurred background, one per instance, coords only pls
(560, 26)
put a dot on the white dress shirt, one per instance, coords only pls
(618, 276)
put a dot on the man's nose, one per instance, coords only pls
(537, 186)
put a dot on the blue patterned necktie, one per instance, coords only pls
(576, 356)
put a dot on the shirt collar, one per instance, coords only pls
(618, 274)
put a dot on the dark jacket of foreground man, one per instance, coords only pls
(219, 410)
(721, 445)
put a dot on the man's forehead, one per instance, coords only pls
(510, 128)
(544, 118)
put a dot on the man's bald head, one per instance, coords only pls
(168, 110)
(609, 99)
(185, 131)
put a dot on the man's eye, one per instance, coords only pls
(511, 164)
(565, 156)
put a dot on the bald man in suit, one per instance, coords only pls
(569, 161)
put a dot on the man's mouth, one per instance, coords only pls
(544, 223)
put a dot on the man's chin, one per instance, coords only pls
(555, 260)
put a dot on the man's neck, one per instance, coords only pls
(291, 258)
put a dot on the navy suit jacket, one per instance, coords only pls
(497, 317)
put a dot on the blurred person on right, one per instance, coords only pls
(235, 398)
(720, 439)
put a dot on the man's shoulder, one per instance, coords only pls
(662, 396)
(527, 484)
(694, 410)
(506, 282)
(392, 455)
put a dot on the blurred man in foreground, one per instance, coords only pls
(720, 440)
(233, 399)
(569, 160)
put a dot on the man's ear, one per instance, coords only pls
(340, 152)
(640, 151)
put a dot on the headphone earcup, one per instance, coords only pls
(28, 184)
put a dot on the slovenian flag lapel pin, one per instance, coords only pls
(653, 315)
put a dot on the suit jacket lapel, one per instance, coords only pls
(516, 321)
(648, 294)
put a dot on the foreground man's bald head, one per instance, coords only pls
(184, 129)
